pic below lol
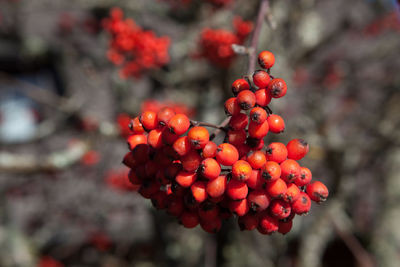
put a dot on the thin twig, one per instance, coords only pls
(221, 126)
(206, 124)
(264, 7)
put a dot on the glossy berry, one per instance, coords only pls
(168, 137)
(208, 211)
(240, 85)
(239, 121)
(261, 78)
(164, 115)
(297, 149)
(239, 207)
(292, 193)
(304, 178)
(267, 224)
(256, 181)
(276, 152)
(258, 200)
(248, 222)
(182, 145)
(227, 154)
(136, 139)
(211, 226)
(263, 97)
(276, 123)
(237, 137)
(216, 188)
(236, 190)
(285, 226)
(276, 189)
(209, 150)
(191, 161)
(246, 99)
(198, 189)
(186, 179)
(154, 139)
(258, 115)
(136, 126)
(258, 131)
(280, 209)
(317, 191)
(149, 120)
(266, 59)
(198, 137)
(271, 171)
(290, 170)
(210, 168)
(256, 159)
(241, 170)
(302, 205)
(179, 124)
(277, 88)
(232, 106)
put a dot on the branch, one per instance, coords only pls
(264, 7)
(221, 126)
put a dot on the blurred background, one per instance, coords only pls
(66, 99)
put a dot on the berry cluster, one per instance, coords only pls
(183, 175)
(216, 44)
(137, 50)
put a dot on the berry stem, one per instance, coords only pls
(264, 7)
(221, 127)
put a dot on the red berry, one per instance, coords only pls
(285, 226)
(246, 99)
(276, 123)
(212, 226)
(297, 149)
(317, 191)
(191, 161)
(258, 131)
(227, 154)
(258, 115)
(258, 200)
(304, 178)
(182, 145)
(185, 179)
(136, 126)
(179, 124)
(237, 137)
(239, 207)
(164, 115)
(208, 211)
(277, 152)
(239, 121)
(302, 205)
(136, 139)
(248, 222)
(232, 106)
(210, 168)
(240, 85)
(168, 137)
(276, 189)
(189, 219)
(241, 170)
(216, 188)
(237, 190)
(261, 78)
(277, 88)
(263, 97)
(149, 120)
(209, 150)
(280, 209)
(256, 181)
(292, 193)
(271, 171)
(198, 137)
(154, 138)
(257, 159)
(267, 224)
(198, 189)
(266, 59)
(290, 170)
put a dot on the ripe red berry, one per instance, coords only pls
(304, 178)
(267, 224)
(292, 193)
(149, 120)
(198, 137)
(237, 137)
(258, 200)
(154, 138)
(208, 211)
(239, 121)
(175, 206)
(276, 123)
(209, 150)
(241, 170)
(257, 159)
(210, 168)
(141, 153)
(212, 226)
(179, 124)
(290, 170)
(168, 137)
(182, 145)
(227, 154)
(164, 115)
(276, 189)
(237, 190)
(258, 131)
(198, 189)
(297, 149)
(266, 59)
(258, 115)
(246, 99)
(232, 106)
(189, 219)
(172, 170)
(302, 205)
(256, 181)
(240, 85)
(248, 222)
(261, 78)
(285, 226)
(271, 171)
(277, 88)
(276, 152)
(239, 207)
(191, 161)
(149, 188)
(159, 200)
(185, 179)
(317, 191)
(136, 139)
(136, 126)
(216, 188)
(280, 209)
(263, 97)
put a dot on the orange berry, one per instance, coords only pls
(191, 161)
(258, 115)
(276, 152)
(136, 139)
(263, 97)
(198, 189)
(239, 207)
(258, 200)
(276, 188)
(136, 126)
(277, 88)
(266, 59)
(164, 115)
(209, 150)
(182, 145)
(185, 179)
(210, 168)
(179, 124)
(227, 154)
(317, 191)
(257, 159)
(292, 193)
(261, 78)
(290, 170)
(297, 149)
(216, 188)
(276, 123)
(302, 205)
(258, 131)
(198, 137)
(271, 171)
(280, 209)
(155, 138)
(241, 170)
(149, 120)
(246, 99)
(232, 106)
(240, 85)
(256, 181)
(237, 190)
